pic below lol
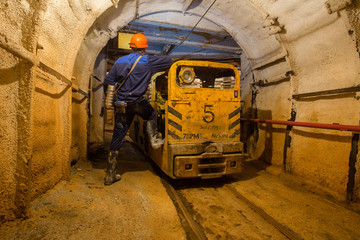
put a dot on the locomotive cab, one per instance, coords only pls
(198, 114)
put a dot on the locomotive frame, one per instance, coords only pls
(198, 113)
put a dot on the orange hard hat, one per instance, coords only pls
(138, 41)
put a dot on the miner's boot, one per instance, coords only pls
(111, 175)
(152, 131)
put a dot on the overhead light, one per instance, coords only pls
(187, 75)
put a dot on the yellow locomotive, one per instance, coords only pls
(198, 113)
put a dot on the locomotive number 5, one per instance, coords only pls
(209, 116)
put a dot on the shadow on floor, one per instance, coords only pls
(131, 159)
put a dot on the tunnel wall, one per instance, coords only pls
(48, 49)
(35, 125)
(323, 55)
(8, 133)
(51, 129)
(329, 62)
(16, 88)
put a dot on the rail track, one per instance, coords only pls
(195, 228)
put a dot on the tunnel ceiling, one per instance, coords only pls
(194, 38)
(222, 34)
(185, 42)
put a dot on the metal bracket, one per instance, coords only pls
(337, 5)
(273, 24)
(115, 3)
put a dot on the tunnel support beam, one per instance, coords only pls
(351, 185)
(337, 5)
(327, 92)
(24, 152)
(271, 60)
(24, 54)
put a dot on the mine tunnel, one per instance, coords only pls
(288, 101)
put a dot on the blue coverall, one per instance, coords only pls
(133, 90)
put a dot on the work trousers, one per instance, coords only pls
(123, 121)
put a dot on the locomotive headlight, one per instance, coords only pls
(187, 75)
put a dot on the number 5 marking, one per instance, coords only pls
(210, 115)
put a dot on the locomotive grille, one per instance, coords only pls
(211, 165)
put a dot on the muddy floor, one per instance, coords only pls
(139, 206)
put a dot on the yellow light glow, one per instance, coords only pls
(124, 39)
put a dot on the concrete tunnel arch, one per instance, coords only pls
(257, 47)
(291, 46)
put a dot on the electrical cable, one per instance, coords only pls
(136, 14)
(184, 39)
(200, 50)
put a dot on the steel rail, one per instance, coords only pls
(197, 232)
(282, 228)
